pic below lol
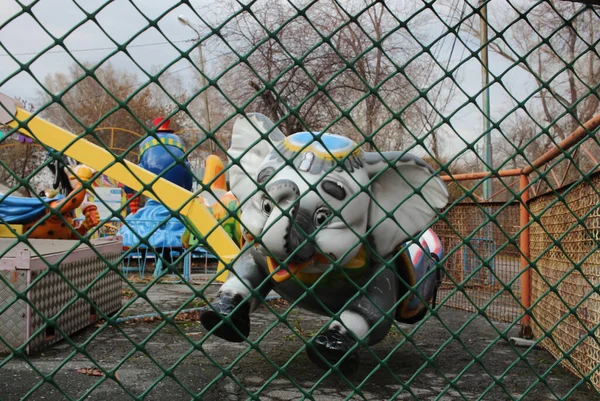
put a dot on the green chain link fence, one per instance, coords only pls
(391, 77)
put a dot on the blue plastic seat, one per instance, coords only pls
(174, 254)
(139, 254)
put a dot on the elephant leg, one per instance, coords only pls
(362, 319)
(230, 310)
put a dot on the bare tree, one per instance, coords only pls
(20, 157)
(330, 67)
(555, 45)
(103, 100)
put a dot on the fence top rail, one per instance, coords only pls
(574, 137)
(561, 189)
(481, 175)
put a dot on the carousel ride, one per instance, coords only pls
(191, 210)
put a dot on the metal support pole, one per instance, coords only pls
(201, 65)
(526, 331)
(205, 96)
(485, 81)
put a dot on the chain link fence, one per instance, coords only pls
(564, 246)
(131, 258)
(483, 258)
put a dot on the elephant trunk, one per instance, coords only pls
(296, 235)
(284, 236)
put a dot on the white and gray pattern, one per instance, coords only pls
(51, 293)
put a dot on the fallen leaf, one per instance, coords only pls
(91, 372)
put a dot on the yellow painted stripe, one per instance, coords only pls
(165, 141)
(6, 233)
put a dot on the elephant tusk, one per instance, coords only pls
(280, 273)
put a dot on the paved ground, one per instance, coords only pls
(462, 367)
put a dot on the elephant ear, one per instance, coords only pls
(249, 147)
(411, 192)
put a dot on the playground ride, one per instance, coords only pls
(312, 224)
(337, 261)
(52, 216)
(154, 222)
(192, 210)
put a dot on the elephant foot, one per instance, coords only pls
(333, 346)
(224, 306)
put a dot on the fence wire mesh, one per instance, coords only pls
(121, 299)
(564, 246)
(484, 258)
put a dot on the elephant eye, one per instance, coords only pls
(267, 206)
(321, 216)
(335, 189)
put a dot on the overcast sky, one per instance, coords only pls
(120, 21)
(24, 38)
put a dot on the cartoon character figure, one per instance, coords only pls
(58, 166)
(326, 224)
(165, 157)
(60, 224)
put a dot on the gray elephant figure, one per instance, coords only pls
(327, 223)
